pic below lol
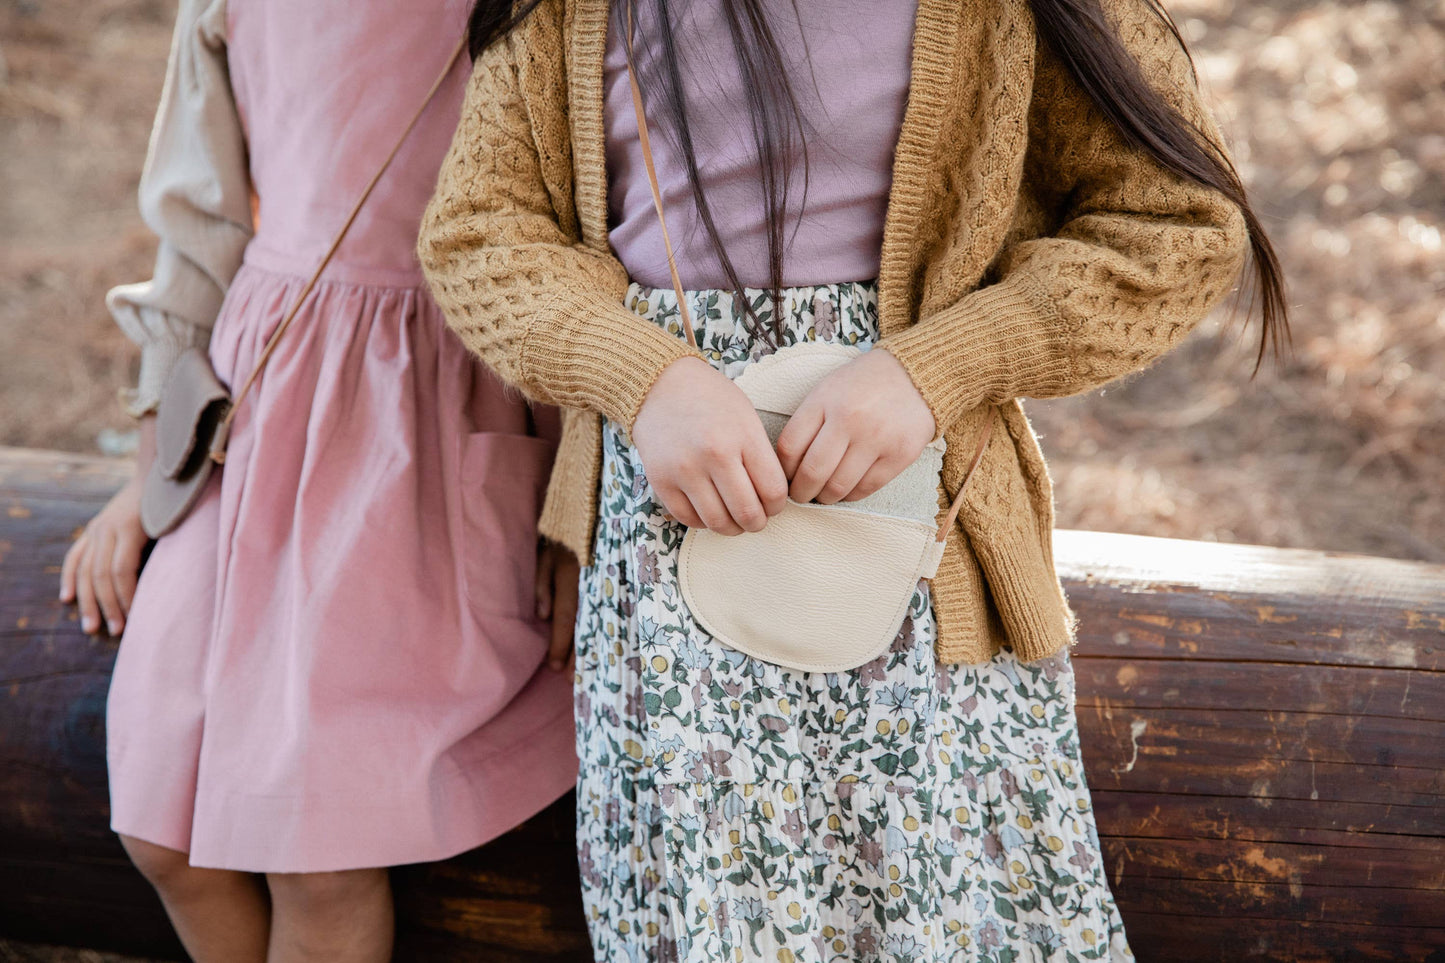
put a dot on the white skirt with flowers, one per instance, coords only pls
(730, 809)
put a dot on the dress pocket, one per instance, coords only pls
(504, 477)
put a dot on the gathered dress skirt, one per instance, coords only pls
(334, 661)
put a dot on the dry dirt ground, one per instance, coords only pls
(1336, 113)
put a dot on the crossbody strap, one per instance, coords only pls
(957, 505)
(218, 442)
(652, 181)
(647, 160)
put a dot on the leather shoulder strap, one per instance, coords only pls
(652, 181)
(957, 505)
(223, 431)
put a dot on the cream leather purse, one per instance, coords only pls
(862, 559)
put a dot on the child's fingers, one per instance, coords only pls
(546, 572)
(561, 643)
(677, 507)
(819, 463)
(711, 508)
(850, 471)
(797, 436)
(565, 621)
(68, 568)
(875, 478)
(126, 569)
(85, 593)
(740, 497)
(767, 476)
(102, 573)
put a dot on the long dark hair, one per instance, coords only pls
(1079, 35)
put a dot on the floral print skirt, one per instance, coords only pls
(733, 810)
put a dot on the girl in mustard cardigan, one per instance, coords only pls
(1002, 198)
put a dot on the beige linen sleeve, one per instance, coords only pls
(195, 194)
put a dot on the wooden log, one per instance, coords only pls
(1261, 730)
(1264, 736)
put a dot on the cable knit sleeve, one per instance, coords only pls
(502, 250)
(195, 194)
(1137, 259)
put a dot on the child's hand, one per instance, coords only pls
(855, 431)
(557, 572)
(706, 453)
(103, 565)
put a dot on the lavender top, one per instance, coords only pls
(851, 82)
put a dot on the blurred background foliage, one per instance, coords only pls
(1336, 115)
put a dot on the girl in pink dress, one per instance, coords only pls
(335, 663)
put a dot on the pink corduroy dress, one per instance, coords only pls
(333, 662)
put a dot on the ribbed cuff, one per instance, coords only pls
(993, 345)
(1029, 598)
(593, 353)
(157, 357)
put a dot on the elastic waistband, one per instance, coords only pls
(846, 311)
(339, 271)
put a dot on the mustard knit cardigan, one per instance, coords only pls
(1027, 251)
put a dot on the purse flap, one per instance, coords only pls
(780, 382)
(192, 405)
(165, 502)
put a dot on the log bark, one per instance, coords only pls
(1261, 732)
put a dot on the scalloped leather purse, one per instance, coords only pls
(862, 559)
(193, 419)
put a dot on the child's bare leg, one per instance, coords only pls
(343, 917)
(221, 916)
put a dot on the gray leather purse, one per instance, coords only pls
(189, 442)
(193, 419)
